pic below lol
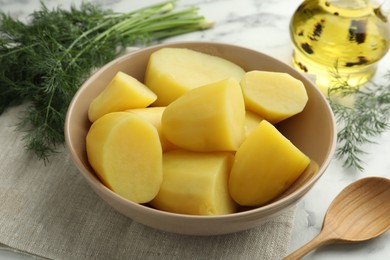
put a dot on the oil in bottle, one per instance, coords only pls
(339, 38)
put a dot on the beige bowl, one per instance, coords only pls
(313, 131)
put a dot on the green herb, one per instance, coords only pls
(44, 61)
(368, 116)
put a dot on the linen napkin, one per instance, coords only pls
(50, 211)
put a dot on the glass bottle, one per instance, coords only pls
(339, 38)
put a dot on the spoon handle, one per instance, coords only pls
(322, 238)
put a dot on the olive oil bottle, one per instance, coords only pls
(339, 38)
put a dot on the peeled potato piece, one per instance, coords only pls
(153, 115)
(195, 183)
(208, 118)
(275, 96)
(252, 120)
(125, 152)
(123, 92)
(266, 164)
(173, 71)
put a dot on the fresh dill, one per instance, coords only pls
(45, 60)
(366, 117)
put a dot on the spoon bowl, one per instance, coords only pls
(360, 212)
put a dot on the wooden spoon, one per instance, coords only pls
(360, 212)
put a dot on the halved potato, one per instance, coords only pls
(252, 120)
(208, 118)
(171, 72)
(125, 152)
(123, 92)
(195, 183)
(266, 164)
(275, 96)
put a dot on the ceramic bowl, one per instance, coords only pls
(313, 131)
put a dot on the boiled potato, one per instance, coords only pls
(208, 118)
(266, 164)
(153, 115)
(252, 120)
(275, 96)
(123, 92)
(173, 71)
(125, 152)
(195, 183)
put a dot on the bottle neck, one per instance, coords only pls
(348, 4)
(348, 8)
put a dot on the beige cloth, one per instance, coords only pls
(50, 211)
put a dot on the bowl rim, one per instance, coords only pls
(271, 207)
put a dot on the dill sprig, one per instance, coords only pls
(366, 117)
(44, 61)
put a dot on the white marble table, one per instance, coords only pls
(263, 26)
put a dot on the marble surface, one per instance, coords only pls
(263, 26)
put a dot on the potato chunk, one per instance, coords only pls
(153, 115)
(123, 92)
(195, 183)
(125, 152)
(173, 71)
(252, 120)
(275, 96)
(266, 164)
(208, 118)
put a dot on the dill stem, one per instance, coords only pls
(85, 34)
(119, 27)
(48, 107)
(143, 17)
(18, 49)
